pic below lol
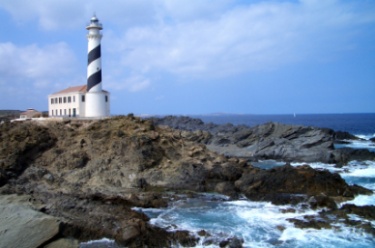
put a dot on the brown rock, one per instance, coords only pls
(63, 243)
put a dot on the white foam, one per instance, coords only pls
(358, 144)
(99, 241)
(361, 172)
(262, 224)
(293, 233)
(319, 166)
(362, 200)
(365, 136)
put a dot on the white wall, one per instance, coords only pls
(66, 108)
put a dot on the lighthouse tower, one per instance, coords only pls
(97, 102)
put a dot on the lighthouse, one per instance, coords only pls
(89, 100)
(97, 102)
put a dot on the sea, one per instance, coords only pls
(263, 224)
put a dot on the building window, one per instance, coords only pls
(60, 112)
(52, 112)
(69, 99)
(51, 100)
(56, 100)
(60, 100)
(83, 98)
(106, 98)
(74, 98)
(64, 111)
(64, 99)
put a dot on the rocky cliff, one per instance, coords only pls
(277, 141)
(89, 174)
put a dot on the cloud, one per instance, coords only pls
(131, 83)
(199, 39)
(257, 36)
(70, 14)
(33, 68)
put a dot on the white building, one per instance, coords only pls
(88, 100)
(71, 102)
(29, 114)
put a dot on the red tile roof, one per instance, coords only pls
(30, 113)
(80, 88)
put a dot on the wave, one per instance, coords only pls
(104, 242)
(258, 224)
(262, 224)
(357, 144)
(365, 136)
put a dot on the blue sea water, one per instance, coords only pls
(262, 224)
(357, 124)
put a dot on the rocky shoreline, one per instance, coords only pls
(289, 143)
(88, 175)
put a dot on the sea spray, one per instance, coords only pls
(258, 224)
(262, 224)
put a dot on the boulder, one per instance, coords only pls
(63, 243)
(22, 226)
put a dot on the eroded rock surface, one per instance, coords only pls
(21, 226)
(89, 174)
(269, 141)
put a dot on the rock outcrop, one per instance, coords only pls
(22, 226)
(269, 141)
(89, 174)
(287, 184)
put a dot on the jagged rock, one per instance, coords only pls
(79, 169)
(267, 141)
(270, 141)
(339, 135)
(22, 143)
(344, 155)
(367, 212)
(284, 184)
(92, 172)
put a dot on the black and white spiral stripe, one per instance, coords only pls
(94, 76)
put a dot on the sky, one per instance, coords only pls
(192, 57)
